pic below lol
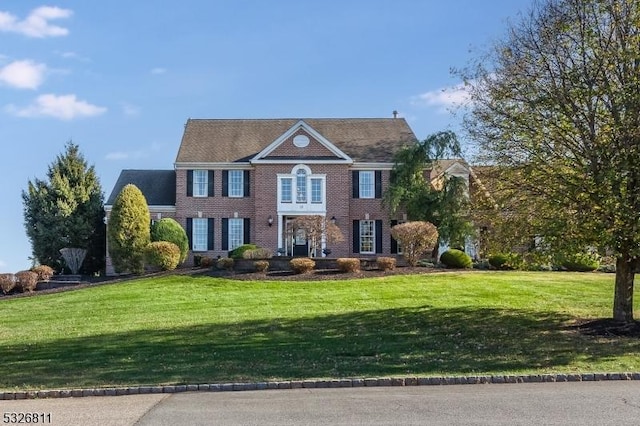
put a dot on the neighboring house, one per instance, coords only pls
(239, 181)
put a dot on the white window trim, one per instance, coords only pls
(373, 184)
(198, 184)
(199, 241)
(294, 186)
(281, 180)
(373, 236)
(230, 223)
(230, 192)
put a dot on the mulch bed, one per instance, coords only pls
(320, 274)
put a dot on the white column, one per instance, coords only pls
(280, 231)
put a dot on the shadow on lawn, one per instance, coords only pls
(405, 341)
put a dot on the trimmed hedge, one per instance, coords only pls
(238, 252)
(456, 259)
(26, 280)
(163, 254)
(261, 265)
(7, 282)
(44, 272)
(386, 263)
(226, 263)
(348, 264)
(581, 262)
(302, 265)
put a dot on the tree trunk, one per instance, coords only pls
(623, 297)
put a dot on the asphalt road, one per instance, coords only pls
(585, 403)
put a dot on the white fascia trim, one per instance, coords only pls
(372, 166)
(213, 166)
(457, 169)
(300, 124)
(301, 161)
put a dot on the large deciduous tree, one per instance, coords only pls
(66, 210)
(411, 190)
(555, 106)
(128, 233)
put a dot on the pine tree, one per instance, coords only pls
(66, 210)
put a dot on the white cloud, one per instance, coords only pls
(36, 24)
(63, 107)
(444, 98)
(158, 71)
(23, 74)
(130, 110)
(125, 155)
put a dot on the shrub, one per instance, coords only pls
(348, 264)
(258, 253)
(206, 262)
(168, 229)
(44, 272)
(261, 265)
(225, 263)
(581, 262)
(453, 258)
(7, 282)
(506, 261)
(416, 239)
(27, 280)
(163, 254)
(386, 263)
(302, 265)
(238, 252)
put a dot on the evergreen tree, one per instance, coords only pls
(66, 210)
(129, 231)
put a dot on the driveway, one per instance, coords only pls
(572, 403)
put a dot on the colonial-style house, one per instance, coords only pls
(241, 181)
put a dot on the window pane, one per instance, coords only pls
(367, 236)
(301, 186)
(199, 236)
(236, 183)
(316, 190)
(236, 233)
(200, 183)
(366, 184)
(285, 190)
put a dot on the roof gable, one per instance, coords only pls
(157, 186)
(301, 141)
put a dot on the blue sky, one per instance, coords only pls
(121, 78)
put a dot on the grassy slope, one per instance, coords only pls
(201, 330)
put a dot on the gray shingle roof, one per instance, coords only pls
(157, 186)
(233, 140)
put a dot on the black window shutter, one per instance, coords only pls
(210, 183)
(189, 183)
(355, 184)
(356, 236)
(190, 232)
(225, 183)
(247, 230)
(225, 233)
(378, 236)
(246, 183)
(394, 242)
(378, 182)
(210, 224)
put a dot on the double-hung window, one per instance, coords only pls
(236, 233)
(316, 191)
(200, 183)
(367, 184)
(199, 234)
(286, 190)
(367, 236)
(236, 183)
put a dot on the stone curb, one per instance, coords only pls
(317, 384)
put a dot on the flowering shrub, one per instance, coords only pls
(44, 272)
(302, 265)
(386, 263)
(27, 280)
(348, 264)
(416, 239)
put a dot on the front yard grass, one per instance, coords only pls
(182, 329)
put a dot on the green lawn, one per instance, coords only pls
(182, 329)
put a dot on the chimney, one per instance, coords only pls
(395, 114)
